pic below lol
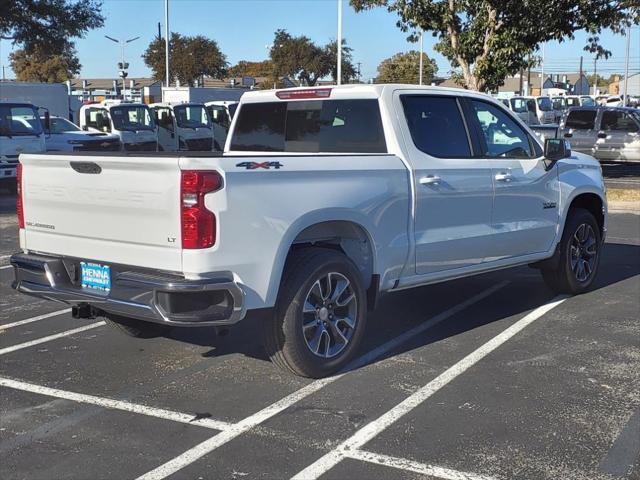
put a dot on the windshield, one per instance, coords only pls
(132, 117)
(19, 120)
(192, 116)
(544, 104)
(558, 103)
(61, 125)
(519, 105)
(587, 101)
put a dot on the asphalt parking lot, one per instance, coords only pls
(622, 175)
(490, 377)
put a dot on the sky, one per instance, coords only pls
(244, 30)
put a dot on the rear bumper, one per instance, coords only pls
(160, 297)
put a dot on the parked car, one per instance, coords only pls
(221, 113)
(64, 136)
(545, 111)
(133, 123)
(21, 131)
(183, 127)
(543, 132)
(559, 105)
(607, 133)
(525, 108)
(324, 199)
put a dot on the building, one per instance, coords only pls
(634, 85)
(147, 90)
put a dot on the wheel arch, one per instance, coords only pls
(342, 230)
(592, 202)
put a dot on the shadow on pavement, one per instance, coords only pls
(398, 312)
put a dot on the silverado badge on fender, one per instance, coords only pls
(256, 165)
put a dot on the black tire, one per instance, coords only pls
(285, 342)
(136, 328)
(562, 278)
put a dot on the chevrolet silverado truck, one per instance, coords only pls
(323, 199)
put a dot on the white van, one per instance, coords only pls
(221, 113)
(525, 108)
(21, 131)
(183, 126)
(133, 123)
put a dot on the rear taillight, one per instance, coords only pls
(19, 201)
(198, 223)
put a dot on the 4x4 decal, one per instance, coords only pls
(256, 165)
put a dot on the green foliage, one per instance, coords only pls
(252, 69)
(37, 65)
(405, 68)
(48, 25)
(300, 58)
(486, 40)
(189, 58)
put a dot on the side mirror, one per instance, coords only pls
(556, 149)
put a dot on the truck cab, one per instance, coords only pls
(133, 123)
(21, 131)
(221, 113)
(183, 127)
(525, 108)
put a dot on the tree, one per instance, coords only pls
(298, 57)
(48, 24)
(349, 71)
(251, 69)
(37, 65)
(487, 40)
(405, 68)
(190, 58)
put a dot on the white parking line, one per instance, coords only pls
(5, 266)
(38, 341)
(115, 404)
(374, 428)
(248, 423)
(34, 319)
(416, 467)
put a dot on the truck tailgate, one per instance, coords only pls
(115, 209)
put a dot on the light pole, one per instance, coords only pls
(542, 71)
(626, 67)
(421, 49)
(122, 65)
(166, 42)
(339, 43)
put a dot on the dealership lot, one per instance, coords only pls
(484, 377)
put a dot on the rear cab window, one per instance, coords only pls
(310, 126)
(581, 119)
(617, 121)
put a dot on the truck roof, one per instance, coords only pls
(347, 91)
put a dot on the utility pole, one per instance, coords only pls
(421, 49)
(159, 31)
(579, 78)
(542, 71)
(359, 72)
(595, 75)
(626, 68)
(529, 78)
(166, 41)
(521, 81)
(339, 43)
(3, 77)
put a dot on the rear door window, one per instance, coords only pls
(344, 126)
(618, 121)
(581, 119)
(436, 125)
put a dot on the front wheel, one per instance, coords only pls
(579, 250)
(320, 314)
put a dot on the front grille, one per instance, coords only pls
(9, 160)
(199, 144)
(141, 147)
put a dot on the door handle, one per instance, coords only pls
(430, 180)
(568, 135)
(503, 177)
(602, 135)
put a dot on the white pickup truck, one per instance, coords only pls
(323, 199)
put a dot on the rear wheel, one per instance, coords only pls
(136, 328)
(579, 250)
(320, 315)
